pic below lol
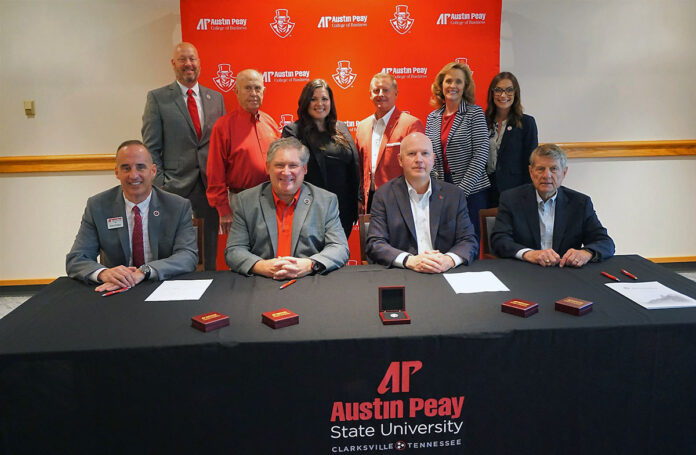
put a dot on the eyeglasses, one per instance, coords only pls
(508, 91)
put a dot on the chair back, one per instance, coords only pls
(363, 226)
(486, 223)
(198, 224)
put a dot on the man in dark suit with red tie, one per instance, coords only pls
(379, 136)
(177, 122)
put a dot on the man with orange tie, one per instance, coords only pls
(379, 136)
(139, 231)
(177, 122)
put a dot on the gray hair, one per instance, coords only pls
(549, 150)
(387, 76)
(288, 143)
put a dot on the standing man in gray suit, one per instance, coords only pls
(177, 122)
(286, 228)
(141, 232)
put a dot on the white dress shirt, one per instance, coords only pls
(147, 251)
(547, 216)
(378, 128)
(420, 209)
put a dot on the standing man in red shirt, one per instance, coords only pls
(238, 146)
(379, 136)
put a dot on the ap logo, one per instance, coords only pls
(281, 24)
(402, 21)
(344, 76)
(224, 80)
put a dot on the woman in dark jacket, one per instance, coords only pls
(333, 158)
(513, 136)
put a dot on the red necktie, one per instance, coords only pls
(193, 110)
(137, 247)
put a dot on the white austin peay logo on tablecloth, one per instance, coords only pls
(281, 25)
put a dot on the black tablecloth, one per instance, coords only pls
(84, 374)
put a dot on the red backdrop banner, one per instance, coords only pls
(294, 41)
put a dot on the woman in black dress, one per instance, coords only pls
(333, 157)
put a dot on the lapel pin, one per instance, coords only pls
(440, 196)
(207, 95)
(306, 201)
(509, 128)
(156, 213)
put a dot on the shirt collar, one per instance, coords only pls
(142, 206)
(413, 194)
(539, 199)
(386, 116)
(184, 89)
(278, 201)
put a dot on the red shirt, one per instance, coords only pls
(447, 122)
(284, 215)
(237, 155)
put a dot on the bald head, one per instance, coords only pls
(186, 65)
(249, 90)
(416, 159)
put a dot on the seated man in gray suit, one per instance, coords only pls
(418, 222)
(548, 224)
(141, 232)
(285, 228)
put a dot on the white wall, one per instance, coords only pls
(88, 65)
(590, 71)
(614, 70)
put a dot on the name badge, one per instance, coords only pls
(114, 223)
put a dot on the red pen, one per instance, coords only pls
(117, 291)
(629, 274)
(611, 277)
(287, 284)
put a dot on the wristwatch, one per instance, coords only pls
(317, 267)
(146, 271)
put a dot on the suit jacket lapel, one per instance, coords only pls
(435, 209)
(388, 130)
(531, 209)
(404, 204)
(269, 214)
(458, 119)
(503, 143)
(179, 101)
(205, 103)
(153, 224)
(559, 220)
(119, 209)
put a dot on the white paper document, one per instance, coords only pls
(179, 290)
(470, 282)
(653, 295)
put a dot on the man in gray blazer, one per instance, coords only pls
(286, 228)
(176, 129)
(165, 246)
